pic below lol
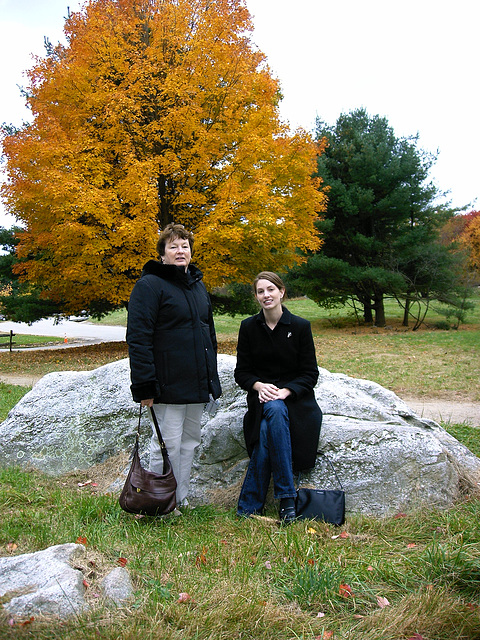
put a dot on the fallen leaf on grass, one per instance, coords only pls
(382, 602)
(411, 545)
(320, 614)
(344, 535)
(370, 568)
(400, 515)
(185, 597)
(326, 635)
(81, 540)
(268, 564)
(345, 591)
(122, 561)
(11, 547)
(416, 636)
(201, 558)
(311, 530)
(85, 584)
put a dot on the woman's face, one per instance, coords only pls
(177, 252)
(269, 295)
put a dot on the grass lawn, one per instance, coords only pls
(23, 340)
(372, 579)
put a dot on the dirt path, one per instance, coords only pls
(439, 410)
(21, 381)
(446, 410)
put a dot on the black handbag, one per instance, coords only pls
(145, 492)
(321, 504)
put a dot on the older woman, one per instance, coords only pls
(276, 365)
(173, 350)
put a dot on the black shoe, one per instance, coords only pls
(287, 511)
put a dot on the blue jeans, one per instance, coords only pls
(272, 455)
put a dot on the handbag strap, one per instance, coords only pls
(320, 453)
(163, 446)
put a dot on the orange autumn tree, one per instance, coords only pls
(156, 111)
(464, 229)
(470, 238)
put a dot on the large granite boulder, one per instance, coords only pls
(386, 456)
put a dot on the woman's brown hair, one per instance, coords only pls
(171, 232)
(271, 277)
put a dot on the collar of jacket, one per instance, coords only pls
(285, 318)
(172, 272)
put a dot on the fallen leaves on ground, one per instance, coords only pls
(382, 602)
(12, 622)
(345, 591)
(185, 597)
(201, 558)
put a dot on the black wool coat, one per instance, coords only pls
(171, 336)
(286, 358)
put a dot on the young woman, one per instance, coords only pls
(276, 365)
(173, 350)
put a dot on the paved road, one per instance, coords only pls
(67, 328)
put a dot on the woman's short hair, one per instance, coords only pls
(171, 232)
(271, 277)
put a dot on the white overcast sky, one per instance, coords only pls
(414, 61)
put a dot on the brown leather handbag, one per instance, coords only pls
(145, 492)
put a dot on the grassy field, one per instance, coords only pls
(408, 576)
(24, 340)
(414, 575)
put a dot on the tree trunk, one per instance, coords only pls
(379, 310)
(406, 311)
(367, 311)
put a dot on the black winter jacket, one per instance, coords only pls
(286, 358)
(171, 336)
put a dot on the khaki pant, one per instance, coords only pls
(180, 428)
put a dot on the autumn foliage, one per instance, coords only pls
(471, 238)
(464, 229)
(156, 111)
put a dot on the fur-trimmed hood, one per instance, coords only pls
(171, 272)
